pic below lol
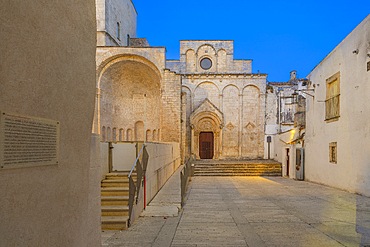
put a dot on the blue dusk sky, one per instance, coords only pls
(279, 35)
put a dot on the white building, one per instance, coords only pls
(285, 121)
(338, 117)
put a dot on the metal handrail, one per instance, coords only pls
(136, 160)
(134, 189)
(185, 174)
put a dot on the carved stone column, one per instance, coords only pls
(217, 144)
(96, 123)
(240, 131)
(192, 139)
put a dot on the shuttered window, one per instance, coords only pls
(332, 102)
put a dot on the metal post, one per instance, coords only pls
(145, 119)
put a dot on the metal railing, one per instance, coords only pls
(140, 166)
(185, 174)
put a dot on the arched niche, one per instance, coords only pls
(221, 60)
(206, 90)
(129, 88)
(139, 131)
(252, 123)
(190, 60)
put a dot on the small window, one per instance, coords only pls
(333, 152)
(128, 39)
(206, 63)
(118, 31)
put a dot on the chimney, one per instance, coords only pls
(293, 75)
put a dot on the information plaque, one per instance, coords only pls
(28, 141)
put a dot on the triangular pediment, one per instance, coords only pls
(207, 107)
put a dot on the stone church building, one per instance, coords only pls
(222, 101)
(207, 101)
(211, 104)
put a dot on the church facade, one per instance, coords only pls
(223, 102)
(209, 103)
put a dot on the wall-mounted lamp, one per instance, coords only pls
(355, 51)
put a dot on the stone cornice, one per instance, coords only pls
(223, 76)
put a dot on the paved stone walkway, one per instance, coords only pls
(256, 211)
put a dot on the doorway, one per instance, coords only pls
(206, 143)
(287, 161)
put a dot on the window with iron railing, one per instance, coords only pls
(332, 102)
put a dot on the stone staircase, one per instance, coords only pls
(237, 168)
(114, 201)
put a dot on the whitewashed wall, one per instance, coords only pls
(352, 130)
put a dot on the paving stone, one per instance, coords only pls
(255, 211)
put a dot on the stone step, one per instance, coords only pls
(236, 161)
(114, 222)
(238, 174)
(237, 165)
(115, 183)
(120, 175)
(237, 168)
(265, 173)
(114, 210)
(114, 200)
(115, 191)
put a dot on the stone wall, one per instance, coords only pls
(230, 95)
(47, 70)
(219, 51)
(171, 111)
(116, 19)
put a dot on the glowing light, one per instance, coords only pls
(292, 133)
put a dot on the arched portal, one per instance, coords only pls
(206, 131)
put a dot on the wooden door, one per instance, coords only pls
(206, 145)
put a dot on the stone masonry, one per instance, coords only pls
(233, 90)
